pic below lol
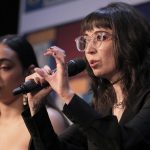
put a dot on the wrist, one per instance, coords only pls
(68, 96)
(34, 107)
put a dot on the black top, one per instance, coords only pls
(91, 130)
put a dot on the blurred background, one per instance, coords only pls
(55, 22)
(9, 14)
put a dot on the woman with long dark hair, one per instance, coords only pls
(18, 60)
(116, 43)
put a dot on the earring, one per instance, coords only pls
(25, 100)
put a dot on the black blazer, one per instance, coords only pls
(92, 131)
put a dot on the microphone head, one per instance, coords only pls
(17, 91)
(76, 66)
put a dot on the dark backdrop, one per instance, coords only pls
(9, 10)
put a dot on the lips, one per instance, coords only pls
(93, 63)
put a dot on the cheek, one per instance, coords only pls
(108, 60)
(13, 79)
(8, 83)
(18, 78)
(106, 52)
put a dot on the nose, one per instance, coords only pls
(90, 48)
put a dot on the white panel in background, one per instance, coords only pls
(57, 12)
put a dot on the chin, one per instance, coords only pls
(97, 73)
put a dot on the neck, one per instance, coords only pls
(119, 93)
(11, 110)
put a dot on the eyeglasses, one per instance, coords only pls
(83, 41)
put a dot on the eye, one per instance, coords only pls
(103, 36)
(82, 39)
(81, 43)
(99, 37)
(106, 36)
(5, 68)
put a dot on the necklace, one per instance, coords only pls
(117, 80)
(119, 105)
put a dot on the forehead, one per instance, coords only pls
(6, 52)
(95, 30)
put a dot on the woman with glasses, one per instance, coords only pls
(116, 42)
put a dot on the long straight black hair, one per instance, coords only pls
(23, 49)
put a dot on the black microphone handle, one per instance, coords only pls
(29, 86)
(74, 67)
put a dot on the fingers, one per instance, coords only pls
(57, 53)
(38, 79)
(44, 72)
(47, 69)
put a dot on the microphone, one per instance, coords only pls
(75, 66)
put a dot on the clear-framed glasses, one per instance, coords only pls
(97, 38)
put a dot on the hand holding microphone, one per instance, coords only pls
(74, 66)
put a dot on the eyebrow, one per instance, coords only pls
(97, 32)
(5, 59)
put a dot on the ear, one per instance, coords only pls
(30, 70)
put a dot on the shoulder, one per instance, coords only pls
(54, 113)
(58, 120)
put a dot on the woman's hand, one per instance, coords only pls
(35, 98)
(59, 79)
